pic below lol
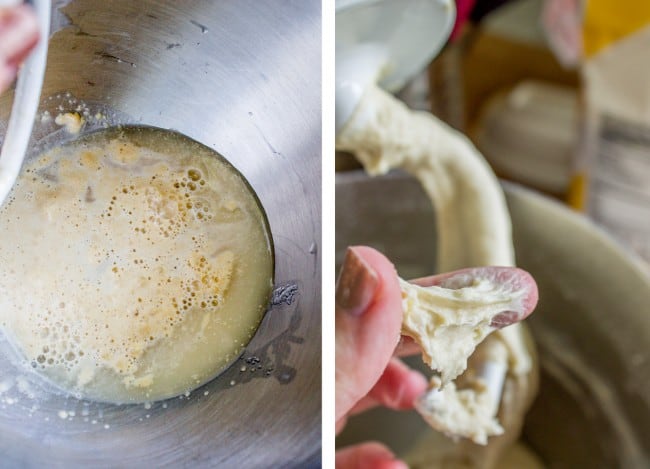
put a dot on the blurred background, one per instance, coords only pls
(555, 95)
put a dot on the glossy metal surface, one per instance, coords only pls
(242, 77)
(592, 324)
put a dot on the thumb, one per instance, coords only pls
(368, 323)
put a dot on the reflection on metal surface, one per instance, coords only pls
(274, 356)
(284, 294)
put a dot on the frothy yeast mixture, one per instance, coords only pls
(135, 264)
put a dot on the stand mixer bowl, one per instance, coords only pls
(239, 77)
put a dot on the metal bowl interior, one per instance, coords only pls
(239, 77)
(592, 326)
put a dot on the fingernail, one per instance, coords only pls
(356, 285)
(505, 318)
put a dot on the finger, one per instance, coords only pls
(369, 455)
(18, 34)
(366, 403)
(407, 347)
(510, 280)
(397, 388)
(341, 423)
(368, 322)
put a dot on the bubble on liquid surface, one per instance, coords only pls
(135, 264)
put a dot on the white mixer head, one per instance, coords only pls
(385, 41)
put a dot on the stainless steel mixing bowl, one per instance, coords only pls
(592, 324)
(244, 78)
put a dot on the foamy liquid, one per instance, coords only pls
(135, 264)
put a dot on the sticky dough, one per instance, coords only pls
(473, 230)
(449, 320)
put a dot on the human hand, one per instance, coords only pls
(368, 324)
(18, 35)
